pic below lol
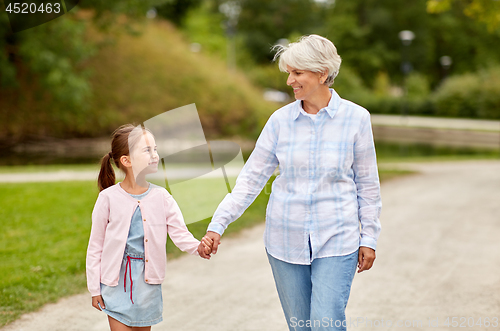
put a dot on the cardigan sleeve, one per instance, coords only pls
(177, 229)
(100, 216)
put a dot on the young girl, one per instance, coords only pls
(126, 256)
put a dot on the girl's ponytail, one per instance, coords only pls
(106, 174)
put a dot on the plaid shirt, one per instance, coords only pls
(326, 199)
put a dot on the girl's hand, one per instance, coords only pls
(98, 300)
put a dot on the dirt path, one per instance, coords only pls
(437, 257)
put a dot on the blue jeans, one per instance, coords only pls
(314, 297)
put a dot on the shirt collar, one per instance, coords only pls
(331, 108)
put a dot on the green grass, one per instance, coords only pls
(43, 244)
(418, 152)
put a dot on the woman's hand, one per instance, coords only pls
(205, 247)
(366, 257)
(215, 237)
(98, 300)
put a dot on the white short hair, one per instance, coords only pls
(313, 53)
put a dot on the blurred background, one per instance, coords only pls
(427, 70)
(104, 64)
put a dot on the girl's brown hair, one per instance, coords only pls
(120, 144)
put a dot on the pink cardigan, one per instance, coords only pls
(110, 226)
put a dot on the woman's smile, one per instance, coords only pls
(305, 83)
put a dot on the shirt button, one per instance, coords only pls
(146, 240)
(138, 201)
(147, 261)
(144, 220)
(146, 280)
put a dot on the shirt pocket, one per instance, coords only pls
(335, 157)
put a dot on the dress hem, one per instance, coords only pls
(130, 323)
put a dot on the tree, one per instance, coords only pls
(486, 11)
(45, 63)
(176, 10)
(263, 22)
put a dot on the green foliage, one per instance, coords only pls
(270, 76)
(55, 52)
(458, 96)
(134, 77)
(160, 60)
(7, 68)
(418, 88)
(350, 86)
(204, 26)
(489, 97)
(366, 35)
(42, 70)
(110, 10)
(470, 95)
(390, 152)
(263, 22)
(176, 10)
(485, 11)
(47, 87)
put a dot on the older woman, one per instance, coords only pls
(327, 187)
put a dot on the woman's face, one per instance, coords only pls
(144, 156)
(304, 83)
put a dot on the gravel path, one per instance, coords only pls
(437, 257)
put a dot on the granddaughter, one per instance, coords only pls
(126, 255)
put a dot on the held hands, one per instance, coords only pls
(98, 300)
(209, 244)
(366, 257)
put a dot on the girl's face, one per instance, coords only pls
(304, 82)
(144, 156)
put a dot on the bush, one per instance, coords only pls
(470, 95)
(489, 97)
(418, 87)
(457, 96)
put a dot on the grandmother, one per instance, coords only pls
(322, 219)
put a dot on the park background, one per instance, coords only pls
(67, 84)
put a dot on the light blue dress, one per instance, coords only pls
(133, 302)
